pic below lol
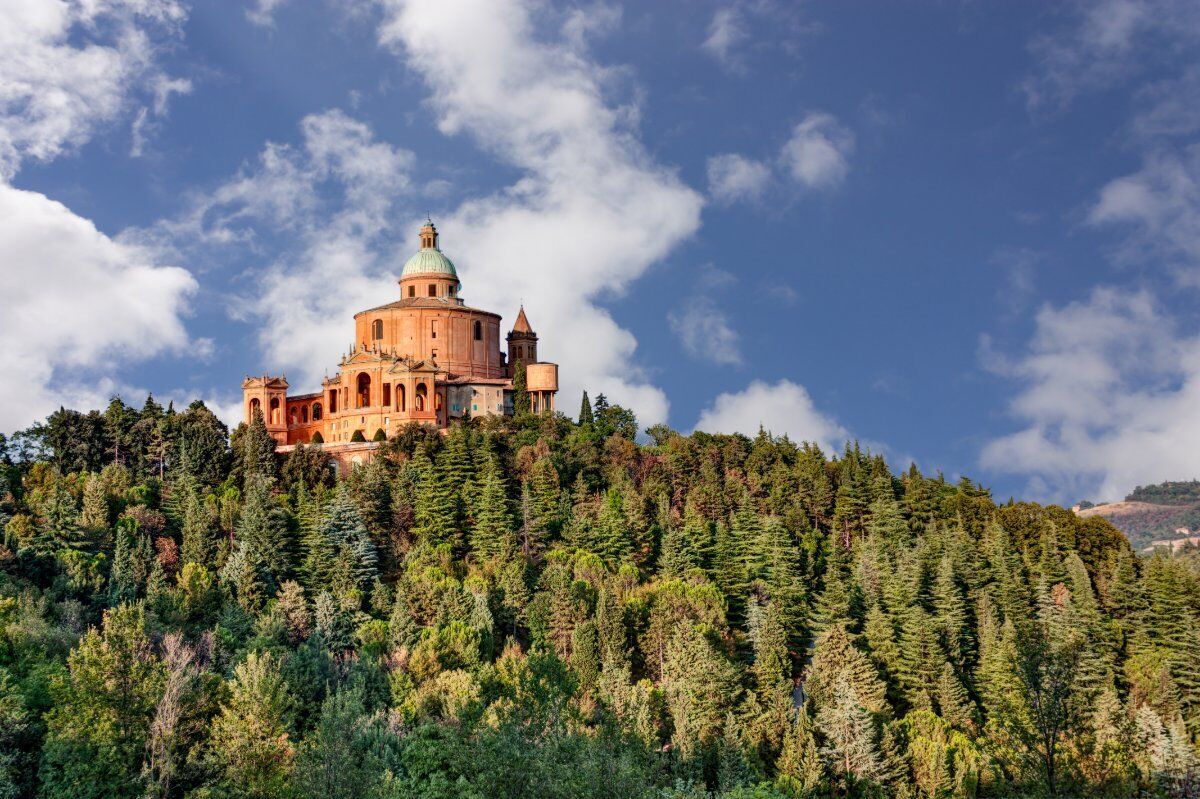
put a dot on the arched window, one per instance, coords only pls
(255, 405)
(364, 390)
(387, 395)
(274, 410)
(303, 414)
(478, 330)
(293, 416)
(333, 398)
(316, 413)
(400, 397)
(377, 330)
(420, 396)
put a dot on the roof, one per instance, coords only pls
(429, 261)
(450, 303)
(522, 323)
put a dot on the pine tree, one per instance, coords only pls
(258, 450)
(263, 529)
(492, 535)
(952, 616)
(585, 411)
(801, 770)
(199, 538)
(836, 659)
(850, 750)
(954, 705)
(437, 506)
(354, 564)
(251, 747)
(96, 512)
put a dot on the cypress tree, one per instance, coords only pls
(585, 411)
(199, 542)
(522, 404)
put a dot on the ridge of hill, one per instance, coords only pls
(1145, 523)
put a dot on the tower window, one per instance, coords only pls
(478, 330)
(412, 291)
(377, 329)
(316, 412)
(432, 289)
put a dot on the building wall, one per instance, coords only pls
(446, 335)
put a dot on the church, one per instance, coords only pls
(428, 357)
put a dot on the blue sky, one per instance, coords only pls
(966, 233)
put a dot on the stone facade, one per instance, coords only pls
(427, 357)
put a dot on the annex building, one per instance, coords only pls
(428, 357)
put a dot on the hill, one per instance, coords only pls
(532, 606)
(1153, 513)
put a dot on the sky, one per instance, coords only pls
(966, 234)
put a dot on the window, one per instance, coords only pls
(377, 330)
(432, 289)
(474, 407)
(387, 395)
(293, 416)
(364, 390)
(333, 401)
(255, 405)
(400, 398)
(452, 290)
(303, 414)
(478, 330)
(412, 291)
(274, 410)
(316, 413)
(421, 393)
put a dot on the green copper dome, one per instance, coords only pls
(429, 260)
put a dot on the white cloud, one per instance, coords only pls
(263, 12)
(726, 32)
(591, 211)
(702, 327)
(733, 177)
(781, 408)
(1110, 400)
(67, 68)
(817, 154)
(1161, 202)
(325, 210)
(76, 303)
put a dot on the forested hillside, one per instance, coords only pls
(535, 607)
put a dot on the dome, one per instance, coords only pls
(429, 260)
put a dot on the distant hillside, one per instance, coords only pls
(1145, 522)
(1177, 493)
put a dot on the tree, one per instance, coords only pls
(343, 756)
(850, 751)
(96, 732)
(585, 411)
(257, 450)
(263, 529)
(522, 403)
(801, 769)
(492, 535)
(251, 747)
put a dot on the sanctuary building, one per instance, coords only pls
(428, 358)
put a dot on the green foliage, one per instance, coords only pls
(535, 607)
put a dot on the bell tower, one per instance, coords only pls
(522, 342)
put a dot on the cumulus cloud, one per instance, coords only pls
(817, 154)
(733, 177)
(700, 324)
(591, 210)
(76, 303)
(1160, 203)
(325, 211)
(1110, 399)
(68, 68)
(780, 408)
(726, 32)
